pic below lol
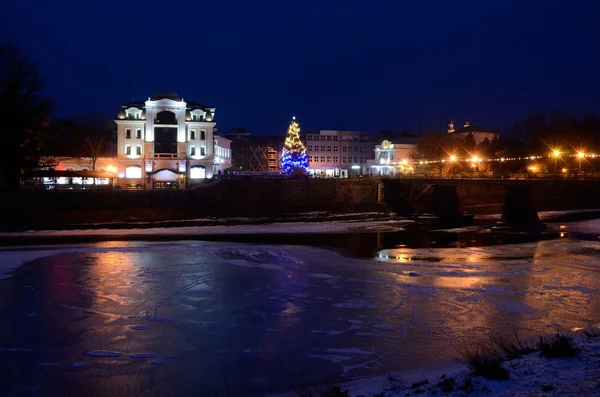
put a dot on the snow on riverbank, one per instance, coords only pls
(530, 375)
(542, 214)
(271, 228)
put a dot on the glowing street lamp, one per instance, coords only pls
(556, 155)
(452, 160)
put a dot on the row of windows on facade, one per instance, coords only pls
(345, 138)
(138, 134)
(327, 159)
(138, 151)
(355, 149)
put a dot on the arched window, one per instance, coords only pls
(165, 117)
(133, 172)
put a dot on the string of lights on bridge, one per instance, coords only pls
(475, 159)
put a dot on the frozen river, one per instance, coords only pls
(200, 318)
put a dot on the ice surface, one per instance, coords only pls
(103, 353)
(254, 303)
(143, 355)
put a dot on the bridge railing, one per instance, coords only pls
(503, 176)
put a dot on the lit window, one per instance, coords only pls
(128, 134)
(128, 150)
(202, 151)
(138, 150)
(133, 172)
(197, 172)
(192, 151)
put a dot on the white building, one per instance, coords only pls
(392, 159)
(479, 134)
(165, 142)
(339, 153)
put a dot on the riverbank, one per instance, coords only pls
(262, 201)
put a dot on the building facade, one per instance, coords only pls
(392, 159)
(166, 143)
(341, 154)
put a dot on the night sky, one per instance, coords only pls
(359, 65)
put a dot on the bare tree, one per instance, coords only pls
(94, 132)
(23, 111)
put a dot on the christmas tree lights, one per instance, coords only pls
(294, 155)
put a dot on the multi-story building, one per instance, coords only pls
(392, 159)
(255, 153)
(166, 142)
(339, 153)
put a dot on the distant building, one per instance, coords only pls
(162, 143)
(333, 153)
(392, 159)
(255, 153)
(479, 133)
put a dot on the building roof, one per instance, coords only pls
(166, 95)
(141, 104)
(472, 128)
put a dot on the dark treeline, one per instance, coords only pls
(559, 130)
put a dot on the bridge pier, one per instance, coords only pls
(446, 206)
(519, 213)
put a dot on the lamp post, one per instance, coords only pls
(580, 157)
(452, 160)
(556, 154)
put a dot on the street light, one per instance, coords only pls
(556, 155)
(452, 160)
(580, 156)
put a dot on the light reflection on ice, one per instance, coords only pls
(253, 301)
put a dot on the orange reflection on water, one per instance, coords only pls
(457, 282)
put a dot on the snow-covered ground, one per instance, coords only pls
(532, 375)
(270, 228)
(542, 214)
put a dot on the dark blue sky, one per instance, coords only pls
(360, 65)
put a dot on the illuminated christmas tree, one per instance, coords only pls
(294, 155)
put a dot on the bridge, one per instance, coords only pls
(519, 213)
